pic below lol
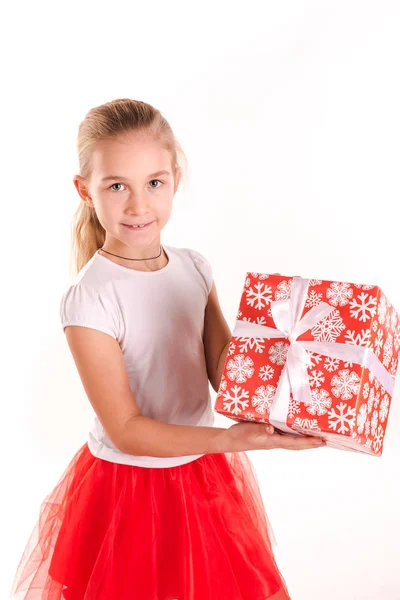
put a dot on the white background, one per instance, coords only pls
(289, 115)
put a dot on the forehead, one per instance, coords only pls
(133, 154)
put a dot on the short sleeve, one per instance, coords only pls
(204, 268)
(83, 305)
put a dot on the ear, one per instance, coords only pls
(178, 177)
(83, 190)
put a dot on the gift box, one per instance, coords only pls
(313, 357)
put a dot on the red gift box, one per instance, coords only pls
(313, 357)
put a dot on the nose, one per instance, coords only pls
(137, 204)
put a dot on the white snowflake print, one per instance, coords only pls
(316, 378)
(364, 287)
(388, 319)
(331, 364)
(393, 366)
(263, 398)
(368, 444)
(252, 343)
(378, 344)
(382, 307)
(313, 299)
(397, 339)
(320, 402)
(366, 390)
(378, 439)
(266, 372)
(259, 296)
(375, 326)
(260, 275)
(345, 385)
(249, 417)
(240, 368)
(237, 402)
(364, 309)
(339, 294)
(374, 422)
(294, 408)
(329, 328)
(358, 339)
(384, 408)
(223, 384)
(231, 349)
(388, 350)
(393, 320)
(309, 424)
(367, 429)
(278, 353)
(314, 282)
(371, 399)
(239, 314)
(377, 399)
(315, 359)
(344, 419)
(247, 282)
(362, 418)
(283, 290)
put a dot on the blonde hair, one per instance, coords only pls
(107, 121)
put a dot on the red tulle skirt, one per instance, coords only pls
(108, 531)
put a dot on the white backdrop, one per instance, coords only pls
(289, 115)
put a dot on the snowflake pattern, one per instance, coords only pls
(378, 439)
(252, 343)
(339, 294)
(316, 378)
(314, 282)
(362, 418)
(364, 309)
(283, 290)
(262, 400)
(259, 296)
(240, 368)
(378, 344)
(331, 364)
(308, 424)
(363, 338)
(266, 372)
(382, 307)
(278, 353)
(231, 349)
(366, 390)
(329, 328)
(236, 402)
(388, 350)
(320, 402)
(294, 408)
(344, 419)
(313, 299)
(345, 384)
(384, 408)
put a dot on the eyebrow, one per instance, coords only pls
(156, 174)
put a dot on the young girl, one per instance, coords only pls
(158, 504)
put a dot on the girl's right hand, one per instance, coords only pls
(261, 436)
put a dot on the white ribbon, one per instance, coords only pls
(294, 378)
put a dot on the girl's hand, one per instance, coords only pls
(260, 436)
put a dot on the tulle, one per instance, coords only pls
(108, 531)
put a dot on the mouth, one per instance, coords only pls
(139, 227)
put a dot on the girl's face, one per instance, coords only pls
(131, 183)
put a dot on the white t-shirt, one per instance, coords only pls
(158, 319)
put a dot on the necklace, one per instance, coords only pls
(125, 258)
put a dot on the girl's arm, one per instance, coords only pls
(99, 360)
(217, 338)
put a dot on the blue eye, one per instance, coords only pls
(115, 184)
(114, 190)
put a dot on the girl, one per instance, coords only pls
(158, 504)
